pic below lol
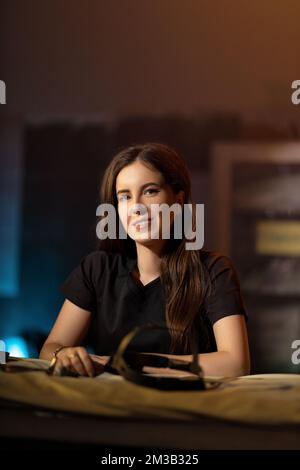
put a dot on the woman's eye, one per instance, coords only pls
(152, 190)
(123, 197)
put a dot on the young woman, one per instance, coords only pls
(142, 278)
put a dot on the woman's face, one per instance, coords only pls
(138, 187)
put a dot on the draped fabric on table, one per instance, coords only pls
(272, 399)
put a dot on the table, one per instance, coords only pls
(253, 412)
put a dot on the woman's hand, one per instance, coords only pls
(99, 359)
(78, 360)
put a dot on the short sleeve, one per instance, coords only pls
(78, 286)
(225, 298)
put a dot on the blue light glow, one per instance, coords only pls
(16, 346)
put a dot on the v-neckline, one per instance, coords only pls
(139, 282)
(132, 266)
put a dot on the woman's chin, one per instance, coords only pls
(144, 238)
(143, 234)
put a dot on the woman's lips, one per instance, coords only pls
(141, 222)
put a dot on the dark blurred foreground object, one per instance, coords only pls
(130, 365)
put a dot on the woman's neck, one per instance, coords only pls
(148, 262)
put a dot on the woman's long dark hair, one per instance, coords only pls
(184, 277)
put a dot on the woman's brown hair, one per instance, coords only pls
(184, 277)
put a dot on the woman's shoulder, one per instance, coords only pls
(224, 296)
(210, 257)
(101, 257)
(215, 261)
(101, 261)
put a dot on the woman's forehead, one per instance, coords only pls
(136, 174)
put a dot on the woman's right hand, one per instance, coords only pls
(76, 359)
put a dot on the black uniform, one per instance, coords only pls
(103, 284)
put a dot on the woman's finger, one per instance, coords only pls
(86, 361)
(66, 363)
(60, 363)
(100, 359)
(77, 364)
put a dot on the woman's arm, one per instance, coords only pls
(232, 358)
(69, 330)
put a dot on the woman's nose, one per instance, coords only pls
(138, 209)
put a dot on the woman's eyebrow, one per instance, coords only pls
(142, 187)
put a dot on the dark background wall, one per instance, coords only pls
(129, 56)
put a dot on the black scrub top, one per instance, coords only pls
(102, 283)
